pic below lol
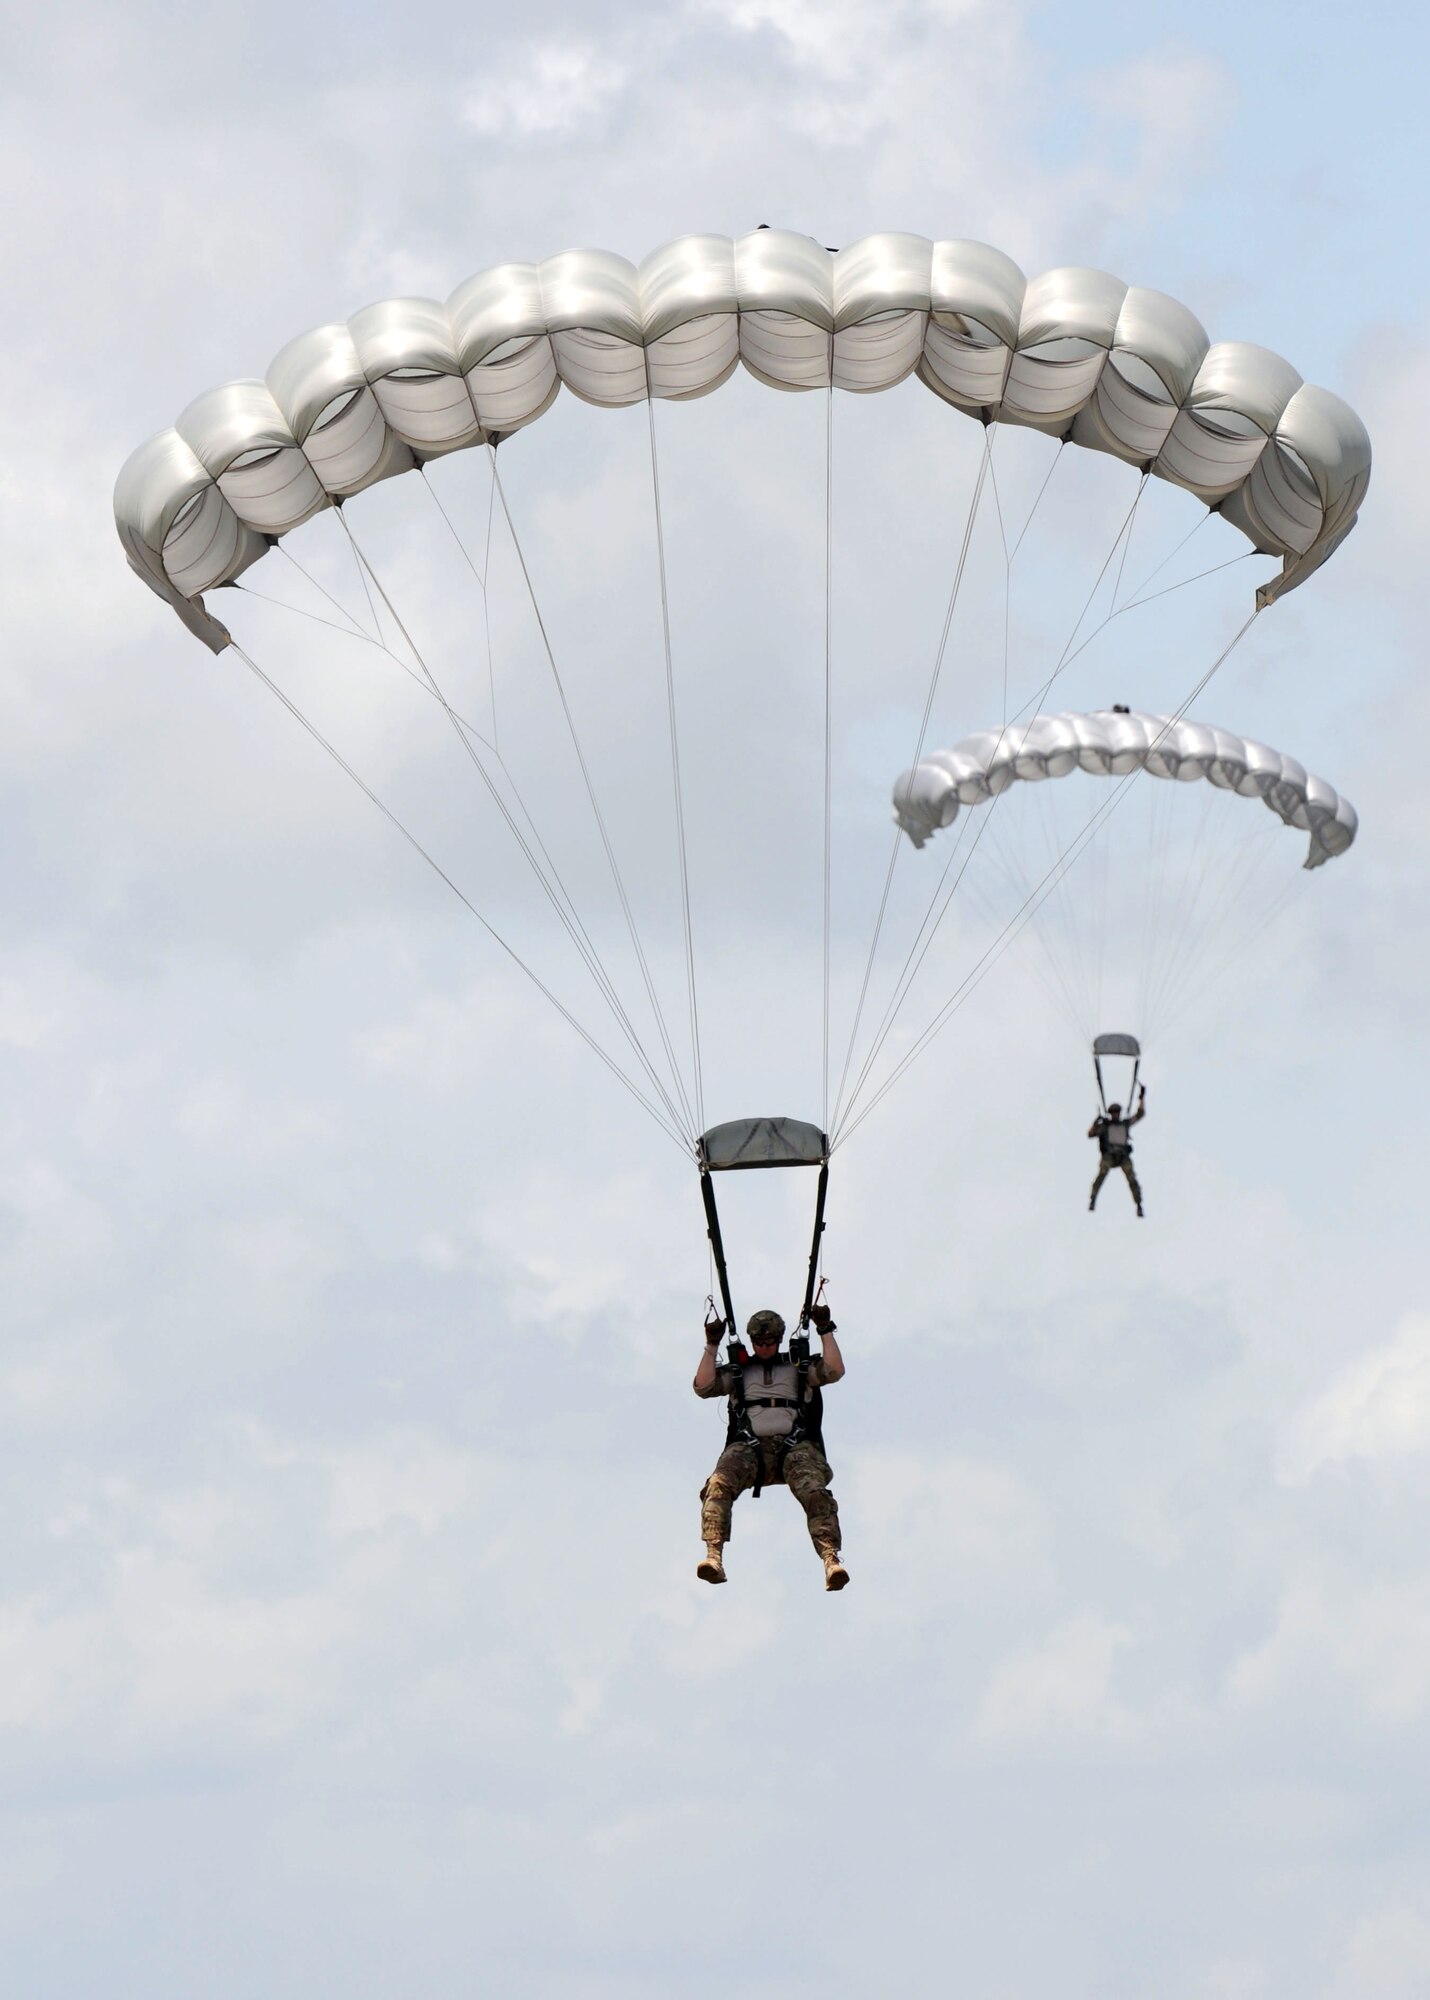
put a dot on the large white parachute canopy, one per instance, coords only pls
(1075, 353)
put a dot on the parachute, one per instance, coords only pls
(1122, 744)
(1074, 357)
(1114, 743)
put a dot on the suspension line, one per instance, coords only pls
(597, 814)
(495, 935)
(953, 595)
(828, 715)
(566, 915)
(677, 788)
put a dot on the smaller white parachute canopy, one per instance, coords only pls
(1112, 743)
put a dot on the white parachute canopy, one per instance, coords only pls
(1075, 353)
(1159, 892)
(1113, 743)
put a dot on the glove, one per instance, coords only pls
(821, 1319)
(714, 1331)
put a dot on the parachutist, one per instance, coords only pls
(1113, 1134)
(774, 1435)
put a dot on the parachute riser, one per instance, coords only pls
(761, 1144)
(1124, 1048)
(717, 1248)
(1101, 1089)
(809, 1282)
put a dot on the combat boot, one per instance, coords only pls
(712, 1569)
(835, 1574)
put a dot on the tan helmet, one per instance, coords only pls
(765, 1325)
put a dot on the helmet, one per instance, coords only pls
(765, 1326)
(1113, 1110)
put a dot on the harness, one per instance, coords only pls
(807, 1428)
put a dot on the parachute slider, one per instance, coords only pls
(1117, 1045)
(762, 1142)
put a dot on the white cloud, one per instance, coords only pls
(218, 1111)
(546, 90)
(841, 40)
(950, 97)
(445, 1041)
(949, 1528)
(274, 1254)
(165, 1655)
(1376, 1410)
(52, 1232)
(1386, 1954)
(1173, 100)
(1345, 1645)
(1060, 1691)
(575, 1250)
(1388, 389)
(405, 1476)
(188, 1628)
(29, 1014)
(1235, 1979)
(70, 1380)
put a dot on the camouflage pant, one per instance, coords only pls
(1105, 1166)
(806, 1473)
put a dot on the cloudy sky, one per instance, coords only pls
(350, 1640)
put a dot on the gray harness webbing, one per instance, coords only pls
(807, 1427)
